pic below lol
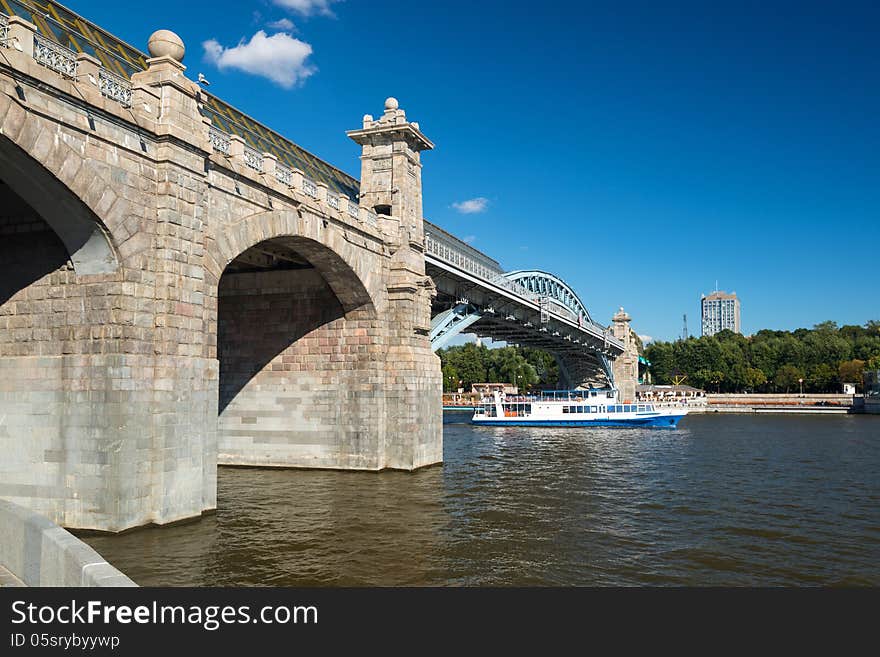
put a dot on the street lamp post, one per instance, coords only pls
(801, 381)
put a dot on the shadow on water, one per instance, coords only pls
(723, 500)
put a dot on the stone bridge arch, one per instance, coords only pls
(61, 185)
(326, 247)
(299, 346)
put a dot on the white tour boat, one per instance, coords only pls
(574, 408)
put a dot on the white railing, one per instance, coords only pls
(353, 210)
(446, 250)
(58, 58)
(4, 31)
(253, 159)
(333, 201)
(220, 141)
(114, 87)
(283, 174)
(310, 188)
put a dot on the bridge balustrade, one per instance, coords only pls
(283, 174)
(65, 62)
(114, 87)
(57, 58)
(221, 142)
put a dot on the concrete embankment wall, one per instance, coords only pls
(780, 399)
(40, 553)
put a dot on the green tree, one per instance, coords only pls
(450, 378)
(822, 378)
(753, 378)
(851, 371)
(662, 361)
(788, 376)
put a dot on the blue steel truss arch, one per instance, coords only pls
(547, 285)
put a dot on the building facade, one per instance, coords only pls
(720, 311)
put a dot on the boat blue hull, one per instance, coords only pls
(664, 421)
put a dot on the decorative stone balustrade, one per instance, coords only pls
(221, 142)
(283, 174)
(253, 159)
(57, 58)
(114, 87)
(65, 62)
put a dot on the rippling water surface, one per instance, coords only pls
(722, 500)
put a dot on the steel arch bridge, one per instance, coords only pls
(532, 308)
(552, 288)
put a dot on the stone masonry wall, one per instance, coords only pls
(300, 380)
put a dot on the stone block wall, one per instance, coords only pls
(301, 381)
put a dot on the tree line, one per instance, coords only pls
(819, 359)
(519, 366)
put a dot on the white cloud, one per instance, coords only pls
(307, 7)
(472, 206)
(469, 239)
(646, 339)
(279, 57)
(284, 24)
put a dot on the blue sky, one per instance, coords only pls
(640, 150)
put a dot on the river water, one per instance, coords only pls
(723, 500)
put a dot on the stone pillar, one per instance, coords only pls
(391, 186)
(391, 169)
(181, 372)
(625, 366)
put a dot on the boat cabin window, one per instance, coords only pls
(565, 409)
(594, 409)
(593, 394)
(610, 394)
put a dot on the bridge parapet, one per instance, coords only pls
(266, 169)
(83, 76)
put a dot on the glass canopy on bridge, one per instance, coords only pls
(70, 30)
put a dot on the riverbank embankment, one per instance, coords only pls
(777, 403)
(34, 551)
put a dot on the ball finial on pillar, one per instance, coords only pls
(391, 103)
(165, 43)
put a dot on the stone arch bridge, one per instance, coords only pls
(181, 286)
(157, 273)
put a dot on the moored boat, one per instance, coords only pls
(574, 408)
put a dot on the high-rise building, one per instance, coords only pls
(720, 311)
